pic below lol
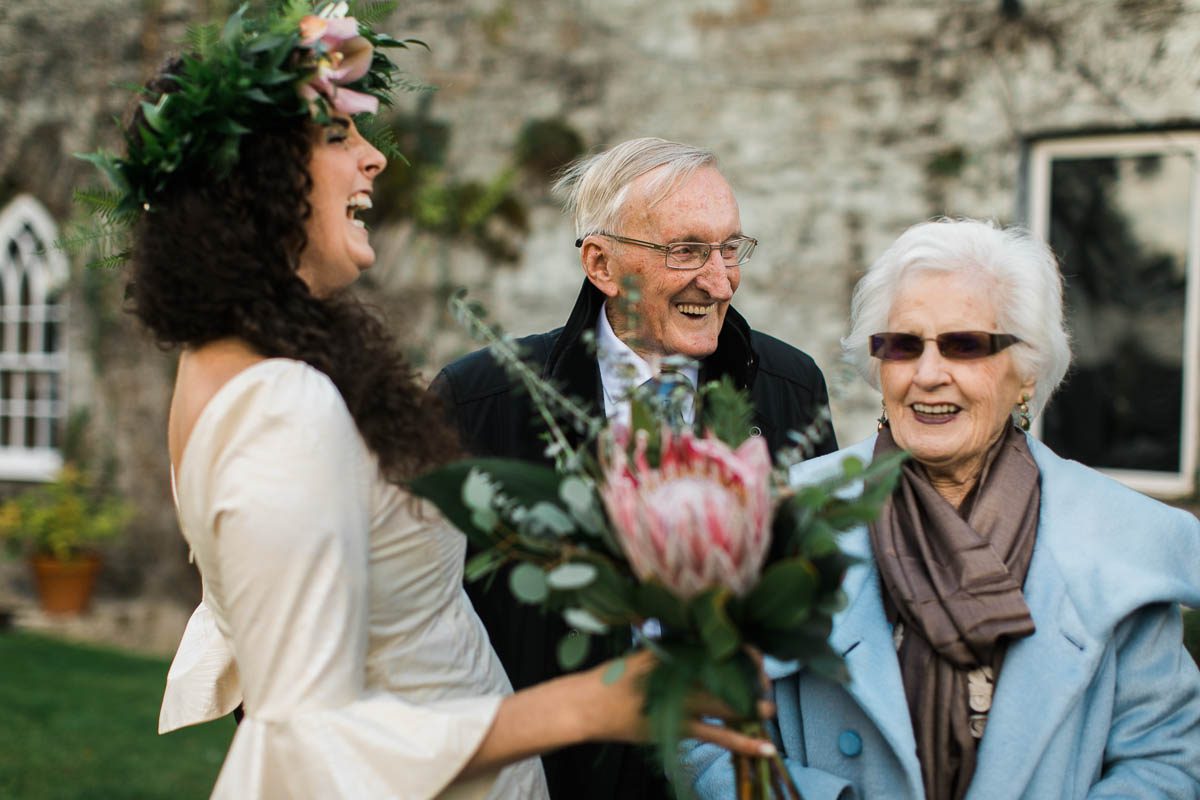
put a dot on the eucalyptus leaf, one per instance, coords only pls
(547, 518)
(614, 671)
(584, 620)
(580, 499)
(528, 583)
(484, 519)
(572, 650)
(610, 594)
(571, 576)
(521, 480)
(478, 490)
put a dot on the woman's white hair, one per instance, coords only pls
(594, 188)
(1024, 279)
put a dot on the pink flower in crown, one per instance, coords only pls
(699, 521)
(342, 57)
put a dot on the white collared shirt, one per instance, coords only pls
(622, 370)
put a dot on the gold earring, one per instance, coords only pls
(883, 419)
(1023, 417)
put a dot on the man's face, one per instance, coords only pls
(679, 311)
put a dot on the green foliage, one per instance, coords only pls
(202, 39)
(568, 557)
(372, 12)
(528, 583)
(381, 136)
(231, 81)
(487, 213)
(79, 722)
(559, 412)
(726, 411)
(61, 518)
(947, 163)
(572, 650)
(571, 576)
(545, 146)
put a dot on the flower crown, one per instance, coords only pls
(299, 61)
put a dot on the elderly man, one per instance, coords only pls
(662, 247)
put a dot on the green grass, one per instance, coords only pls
(79, 723)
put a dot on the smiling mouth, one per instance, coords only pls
(359, 201)
(935, 412)
(695, 310)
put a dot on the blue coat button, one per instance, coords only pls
(850, 743)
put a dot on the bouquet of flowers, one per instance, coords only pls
(690, 537)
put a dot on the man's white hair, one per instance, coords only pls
(595, 188)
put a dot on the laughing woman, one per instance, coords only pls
(1013, 628)
(334, 611)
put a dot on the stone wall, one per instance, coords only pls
(839, 123)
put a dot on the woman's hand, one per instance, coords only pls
(616, 713)
(585, 707)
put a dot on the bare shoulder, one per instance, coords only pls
(201, 373)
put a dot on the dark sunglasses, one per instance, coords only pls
(958, 345)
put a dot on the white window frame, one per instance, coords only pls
(1042, 153)
(25, 221)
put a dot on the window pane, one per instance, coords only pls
(1120, 226)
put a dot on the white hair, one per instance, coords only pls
(1026, 281)
(595, 188)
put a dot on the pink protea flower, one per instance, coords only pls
(342, 57)
(701, 520)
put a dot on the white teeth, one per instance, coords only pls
(358, 223)
(940, 408)
(693, 308)
(361, 200)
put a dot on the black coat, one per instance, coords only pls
(494, 417)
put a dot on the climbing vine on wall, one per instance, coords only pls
(489, 213)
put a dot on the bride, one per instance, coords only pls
(333, 608)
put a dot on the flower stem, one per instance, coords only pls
(741, 771)
(764, 777)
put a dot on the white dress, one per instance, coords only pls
(333, 609)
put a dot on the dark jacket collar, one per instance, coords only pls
(574, 365)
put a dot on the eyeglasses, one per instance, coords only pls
(693, 255)
(959, 345)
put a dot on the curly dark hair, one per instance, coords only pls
(217, 258)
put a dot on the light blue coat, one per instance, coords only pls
(1102, 701)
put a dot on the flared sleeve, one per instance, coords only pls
(202, 683)
(274, 493)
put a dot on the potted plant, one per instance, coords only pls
(57, 524)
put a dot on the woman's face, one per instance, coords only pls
(948, 413)
(343, 167)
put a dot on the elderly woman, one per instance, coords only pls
(1013, 627)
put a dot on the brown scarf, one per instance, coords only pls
(953, 577)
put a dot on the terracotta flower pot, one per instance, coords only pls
(65, 587)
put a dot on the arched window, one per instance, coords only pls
(33, 356)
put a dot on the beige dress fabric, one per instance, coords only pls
(333, 608)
